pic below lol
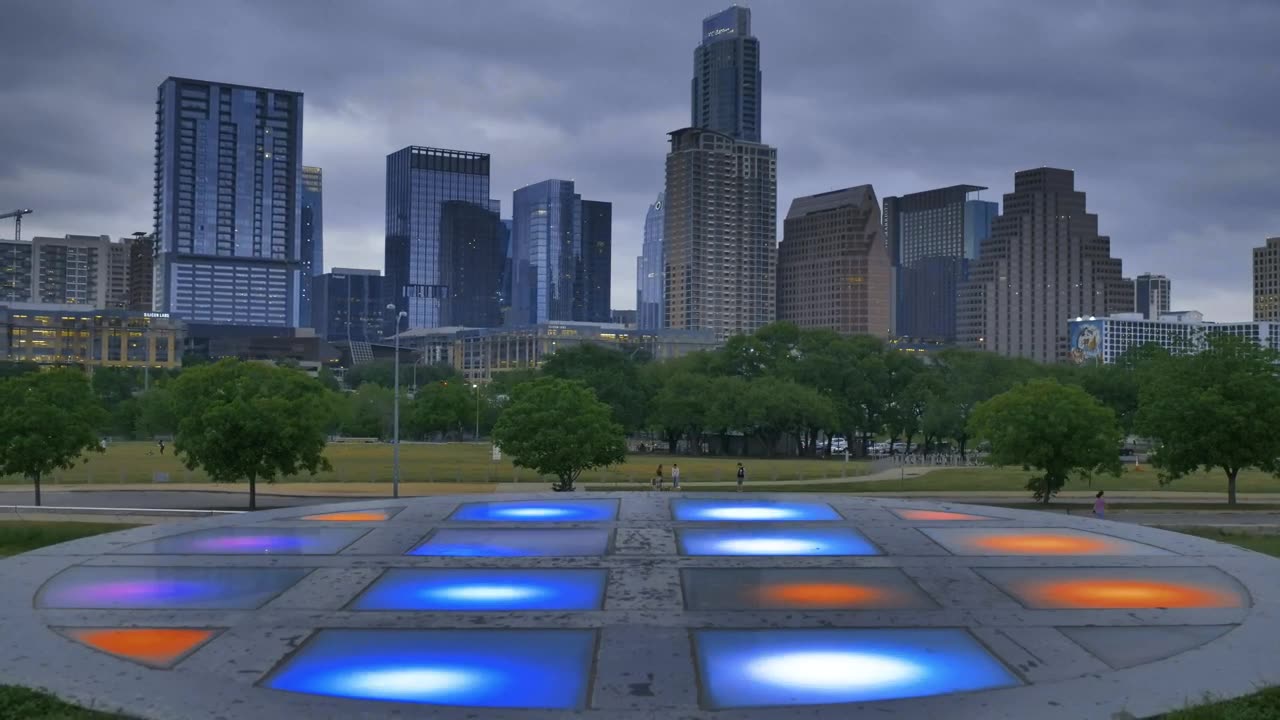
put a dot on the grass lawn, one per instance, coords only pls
(19, 702)
(19, 536)
(1262, 705)
(1249, 481)
(1264, 543)
(141, 462)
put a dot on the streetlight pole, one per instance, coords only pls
(395, 413)
(476, 387)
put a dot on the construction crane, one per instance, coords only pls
(17, 221)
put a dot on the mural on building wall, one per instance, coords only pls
(1086, 342)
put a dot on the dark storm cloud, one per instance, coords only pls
(1166, 110)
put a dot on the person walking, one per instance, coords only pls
(161, 447)
(657, 478)
(675, 476)
(1099, 506)
(742, 476)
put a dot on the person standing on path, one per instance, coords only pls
(742, 476)
(657, 478)
(675, 476)
(1099, 506)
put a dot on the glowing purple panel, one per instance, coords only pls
(251, 540)
(106, 587)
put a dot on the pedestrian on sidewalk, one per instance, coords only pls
(675, 476)
(1099, 506)
(742, 476)
(657, 478)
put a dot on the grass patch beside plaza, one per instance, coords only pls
(19, 536)
(1262, 705)
(27, 704)
(1265, 543)
(1008, 479)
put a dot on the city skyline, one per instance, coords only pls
(1168, 134)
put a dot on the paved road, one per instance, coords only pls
(172, 499)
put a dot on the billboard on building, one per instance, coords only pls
(1086, 341)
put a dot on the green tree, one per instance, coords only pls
(48, 420)
(558, 427)
(383, 373)
(156, 413)
(441, 407)
(1057, 429)
(12, 369)
(613, 376)
(681, 405)
(1219, 408)
(367, 412)
(330, 381)
(248, 420)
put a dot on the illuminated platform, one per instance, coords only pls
(639, 606)
(753, 668)
(471, 668)
(701, 510)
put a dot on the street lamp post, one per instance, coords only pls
(395, 413)
(476, 387)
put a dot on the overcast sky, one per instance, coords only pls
(1168, 110)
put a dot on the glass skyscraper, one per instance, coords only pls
(560, 250)
(227, 203)
(726, 76)
(348, 305)
(932, 237)
(1151, 295)
(311, 250)
(420, 180)
(649, 270)
(473, 253)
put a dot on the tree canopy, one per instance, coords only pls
(558, 427)
(613, 376)
(1057, 429)
(1219, 408)
(246, 420)
(48, 420)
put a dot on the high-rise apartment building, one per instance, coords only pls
(726, 76)
(1151, 295)
(560, 254)
(833, 268)
(719, 237)
(420, 180)
(932, 237)
(117, 290)
(15, 271)
(649, 270)
(1044, 264)
(1266, 281)
(142, 250)
(311, 239)
(227, 175)
(347, 305)
(473, 256)
(87, 270)
(593, 302)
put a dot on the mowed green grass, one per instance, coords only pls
(1268, 544)
(141, 462)
(1006, 479)
(19, 536)
(27, 704)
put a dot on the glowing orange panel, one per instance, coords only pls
(931, 515)
(157, 647)
(351, 516)
(825, 595)
(1111, 593)
(1041, 544)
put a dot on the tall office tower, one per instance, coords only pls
(560, 254)
(1151, 295)
(597, 254)
(311, 242)
(1266, 281)
(419, 181)
(719, 233)
(649, 272)
(473, 257)
(932, 237)
(1044, 264)
(833, 269)
(347, 305)
(74, 270)
(142, 251)
(504, 289)
(726, 76)
(228, 170)
(15, 271)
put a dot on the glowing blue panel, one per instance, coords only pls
(773, 541)
(485, 590)
(252, 541)
(474, 668)
(751, 511)
(94, 587)
(538, 511)
(515, 543)
(753, 668)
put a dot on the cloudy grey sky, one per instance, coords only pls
(1168, 110)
